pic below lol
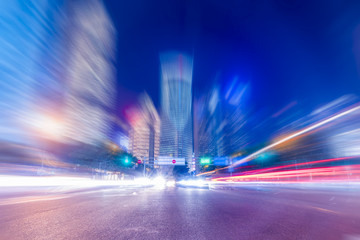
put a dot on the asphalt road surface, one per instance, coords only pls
(182, 213)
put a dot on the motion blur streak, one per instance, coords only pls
(348, 173)
(20, 181)
(298, 165)
(193, 183)
(292, 136)
(48, 181)
(301, 132)
(56, 70)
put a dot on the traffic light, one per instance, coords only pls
(126, 161)
(205, 161)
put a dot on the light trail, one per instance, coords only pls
(41, 181)
(257, 171)
(301, 132)
(296, 134)
(337, 173)
(77, 182)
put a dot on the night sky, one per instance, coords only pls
(304, 51)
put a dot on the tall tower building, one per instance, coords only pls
(176, 103)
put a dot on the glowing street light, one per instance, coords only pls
(48, 125)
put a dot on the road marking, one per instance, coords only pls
(324, 210)
(19, 200)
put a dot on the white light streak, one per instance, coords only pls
(305, 130)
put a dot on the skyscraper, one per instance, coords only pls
(90, 78)
(145, 131)
(208, 126)
(65, 87)
(176, 105)
(211, 124)
(29, 55)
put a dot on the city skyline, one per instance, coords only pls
(179, 119)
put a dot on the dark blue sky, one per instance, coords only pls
(304, 51)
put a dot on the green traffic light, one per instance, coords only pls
(126, 161)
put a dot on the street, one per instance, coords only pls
(182, 213)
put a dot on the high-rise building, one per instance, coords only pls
(89, 73)
(176, 105)
(65, 87)
(208, 126)
(29, 37)
(145, 131)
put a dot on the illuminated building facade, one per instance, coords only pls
(208, 127)
(65, 87)
(176, 105)
(145, 132)
(90, 72)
